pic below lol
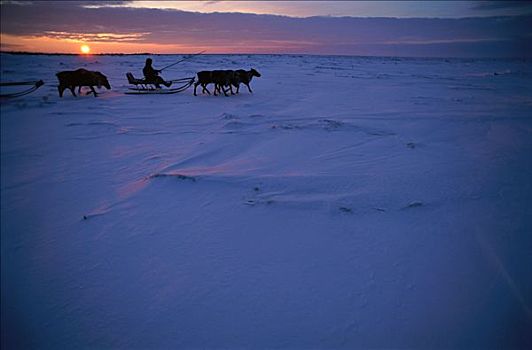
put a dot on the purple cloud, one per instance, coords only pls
(502, 5)
(249, 33)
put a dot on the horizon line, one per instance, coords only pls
(257, 54)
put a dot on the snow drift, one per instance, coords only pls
(349, 202)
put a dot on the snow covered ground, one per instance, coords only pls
(349, 202)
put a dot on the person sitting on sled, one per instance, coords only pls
(152, 75)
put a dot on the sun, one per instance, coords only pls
(85, 49)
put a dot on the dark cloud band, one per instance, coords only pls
(234, 32)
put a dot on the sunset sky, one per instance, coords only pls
(396, 28)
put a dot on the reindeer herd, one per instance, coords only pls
(223, 80)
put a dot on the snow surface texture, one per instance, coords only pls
(348, 203)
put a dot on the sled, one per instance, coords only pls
(34, 86)
(142, 87)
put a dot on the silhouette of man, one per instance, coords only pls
(152, 75)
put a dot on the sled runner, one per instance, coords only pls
(142, 87)
(34, 86)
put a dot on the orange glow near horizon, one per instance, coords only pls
(46, 44)
(85, 49)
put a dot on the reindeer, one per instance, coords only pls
(81, 77)
(242, 76)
